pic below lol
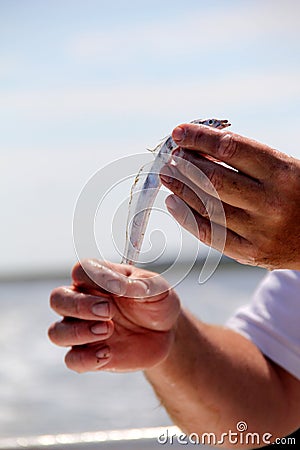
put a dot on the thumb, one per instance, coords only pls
(98, 276)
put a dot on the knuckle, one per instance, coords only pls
(178, 186)
(209, 208)
(204, 232)
(55, 298)
(196, 139)
(215, 178)
(158, 286)
(228, 146)
(55, 335)
(278, 211)
(279, 222)
(202, 203)
(254, 257)
(52, 333)
(75, 361)
(194, 135)
(110, 329)
(71, 361)
(258, 255)
(202, 207)
(212, 180)
(78, 305)
(61, 300)
(184, 166)
(77, 271)
(189, 137)
(185, 216)
(76, 333)
(184, 192)
(286, 170)
(83, 272)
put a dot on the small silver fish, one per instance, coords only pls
(144, 196)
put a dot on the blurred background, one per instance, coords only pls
(84, 83)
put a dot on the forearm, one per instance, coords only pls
(214, 378)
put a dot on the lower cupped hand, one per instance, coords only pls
(114, 317)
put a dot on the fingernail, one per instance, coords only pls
(178, 134)
(172, 202)
(139, 287)
(103, 353)
(113, 286)
(99, 328)
(101, 309)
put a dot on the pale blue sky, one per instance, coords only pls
(83, 83)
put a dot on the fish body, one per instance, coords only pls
(144, 192)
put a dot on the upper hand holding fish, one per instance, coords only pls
(260, 197)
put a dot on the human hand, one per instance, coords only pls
(128, 329)
(260, 198)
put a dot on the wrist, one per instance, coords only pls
(175, 351)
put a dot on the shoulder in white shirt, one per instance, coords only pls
(272, 320)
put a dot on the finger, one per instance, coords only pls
(250, 157)
(232, 187)
(89, 357)
(114, 354)
(210, 233)
(206, 205)
(96, 276)
(76, 332)
(119, 280)
(108, 278)
(67, 301)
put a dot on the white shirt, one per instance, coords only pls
(272, 319)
